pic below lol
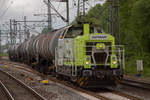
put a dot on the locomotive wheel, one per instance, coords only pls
(45, 70)
(41, 69)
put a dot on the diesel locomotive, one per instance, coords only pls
(79, 53)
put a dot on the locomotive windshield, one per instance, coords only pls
(77, 31)
(74, 32)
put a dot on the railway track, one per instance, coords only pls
(4, 92)
(16, 89)
(137, 84)
(109, 94)
(113, 94)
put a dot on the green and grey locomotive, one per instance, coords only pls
(79, 53)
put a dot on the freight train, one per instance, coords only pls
(78, 53)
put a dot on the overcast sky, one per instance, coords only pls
(16, 9)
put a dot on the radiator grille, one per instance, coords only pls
(100, 57)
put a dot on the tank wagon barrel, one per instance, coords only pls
(33, 47)
(48, 43)
(13, 53)
(42, 46)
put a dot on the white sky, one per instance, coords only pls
(20, 8)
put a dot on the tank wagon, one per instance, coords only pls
(13, 53)
(79, 53)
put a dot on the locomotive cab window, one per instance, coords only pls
(74, 32)
(95, 30)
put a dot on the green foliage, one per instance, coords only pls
(136, 33)
(45, 30)
(3, 54)
(134, 29)
(98, 16)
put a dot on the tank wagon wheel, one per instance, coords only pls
(41, 69)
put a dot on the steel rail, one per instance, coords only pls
(119, 93)
(142, 85)
(139, 82)
(10, 97)
(40, 97)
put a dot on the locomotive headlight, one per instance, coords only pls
(86, 62)
(61, 37)
(101, 46)
(114, 62)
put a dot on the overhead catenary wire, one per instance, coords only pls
(30, 28)
(52, 6)
(6, 9)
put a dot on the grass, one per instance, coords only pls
(4, 54)
(146, 72)
(131, 68)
